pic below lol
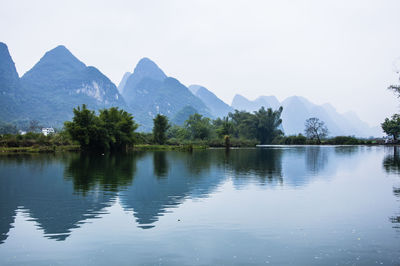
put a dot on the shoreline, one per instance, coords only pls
(154, 147)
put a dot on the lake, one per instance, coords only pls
(306, 205)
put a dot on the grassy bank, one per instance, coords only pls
(39, 149)
(36, 143)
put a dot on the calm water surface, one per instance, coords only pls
(280, 205)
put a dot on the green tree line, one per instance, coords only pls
(115, 129)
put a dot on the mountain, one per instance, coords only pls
(241, 103)
(10, 104)
(297, 109)
(148, 92)
(9, 79)
(59, 82)
(183, 115)
(145, 69)
(123, 81)
(216, 106)
(269, 101)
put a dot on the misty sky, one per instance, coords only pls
(340, 51)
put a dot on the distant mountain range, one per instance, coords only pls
(59, 82)
(297, 109)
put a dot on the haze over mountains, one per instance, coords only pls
(148, 92)
(297, 109)
(59, 82)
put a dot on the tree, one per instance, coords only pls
(244, 125)
(112, 129)
(85, 128)
(119, 126)
(262, 125)
(160, 128)
(198, 126)
(392, 126)
(178, 133)
(223, 127)
(267, 124)
(315, 129)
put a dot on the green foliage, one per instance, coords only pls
(178, 133)
(112, 129)
(392, 126)
(262, 125)
(160, 128)
(223, 127)
(119, 126)
(343, 140)
(198, 126)
(243, 124)
(143, 138)
(35, 140)
(87, 129)
(238, 129)
(267, 123)
(290, 140)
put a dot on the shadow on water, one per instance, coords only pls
(391, 164)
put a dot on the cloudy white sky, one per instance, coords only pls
(339, 51)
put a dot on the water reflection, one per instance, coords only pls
(60, 192)
(111, 172)
(184, 175)
(316, 159)
(391, 164)
(50, 200)
(160, 164)
(255, 165)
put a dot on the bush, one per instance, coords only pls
(35, 139)
(343, 140)
(290, 140)
(143, 138)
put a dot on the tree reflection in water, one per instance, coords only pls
(391, 164)
(260, 165)
(111, 172)
(160, 164)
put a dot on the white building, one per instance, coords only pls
(47, 130)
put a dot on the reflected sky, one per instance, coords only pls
(318, 204)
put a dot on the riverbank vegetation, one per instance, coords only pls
(115, 129)
(37, 142)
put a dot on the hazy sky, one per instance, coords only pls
(338, 51)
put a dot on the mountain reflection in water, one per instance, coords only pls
(60, 192)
